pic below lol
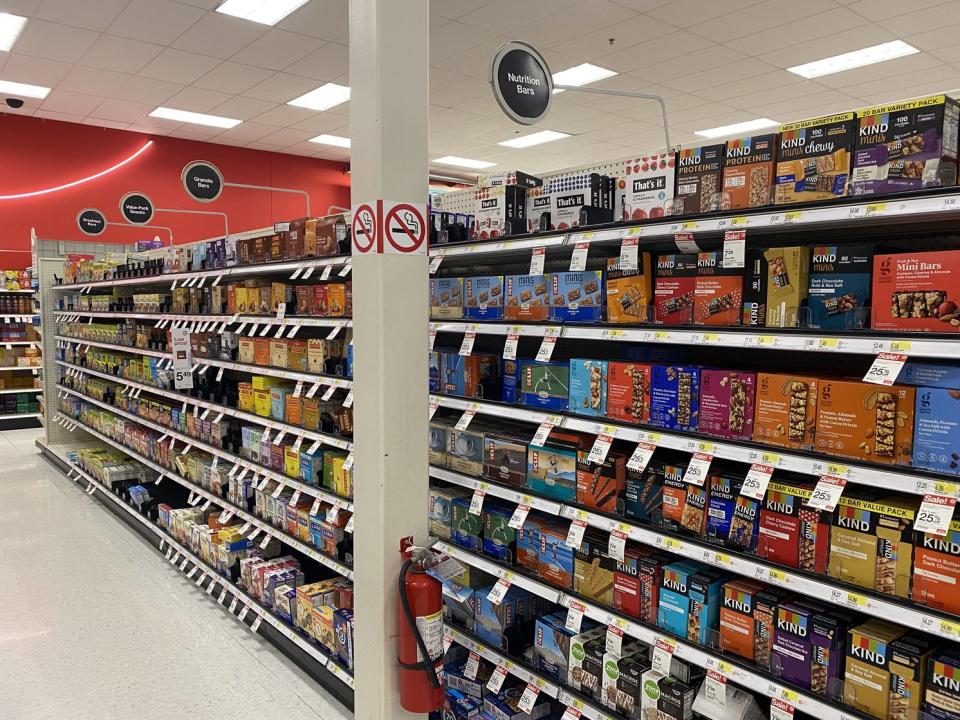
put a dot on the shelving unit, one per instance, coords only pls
(29, 398)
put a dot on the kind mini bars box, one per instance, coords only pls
(839, 285)
(718, 291)
(675, 289)
(813, 159)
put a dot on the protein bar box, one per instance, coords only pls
(936, 437)
(839, 285)
(785, 410)
(527, 297)
(576, 296)
(748, 171)
(483, 297)
(726, 403)
(791, 533)
(755, 288)
(648, 186)
(813, 159)
(629, 291)
(699, 177)
(718, 291)
(917, 292)
(675, 289)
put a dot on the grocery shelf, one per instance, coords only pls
(213, 320)
(19, 342)
(239, 512)
(917, 482)
(316, 378)
(21, 368)
(19, 292)
(550, 507)
(491, 328)
(112, 346)
(14, 391)
(19, 317)
(180, 552)
(507, 245)
(16, 416)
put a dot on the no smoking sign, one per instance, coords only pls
(393, 228)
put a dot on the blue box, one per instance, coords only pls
(453, 376)
(460, 706)
(435, 364)
(503, 705)
(588, 387)
(674, 603)
(544, 384)
(446, 297)
(839, 283)
(930, 375)
(577, 296)
(483, 297)
(508, 373)
(492, 621)
(311, 467)
(706, 595)
(675, 397)
(724, 491)
(936, 430)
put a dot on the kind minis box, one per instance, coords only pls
(936, 437)
(446, 297)
(813, 159)
(906, 146)
(648, 186)
(527, 297)
(788, 271)
(941, 701)
(737, 626)
(936, 570)
(748, 171)
(588, 387)
(839, 284)
(544, 385)
(790, 533)
(629, 295)
(699, 178)
(675, 397)
(483, 297)
(754, 311)
(718, 291)
(785, 410)
(726, 403)
(628, 392)
(917, 291)
(675, 289)
(576, 296)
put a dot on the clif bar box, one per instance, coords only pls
(527, 297)
(917, 291)
(699, 177)
(813, 159)
(748, 171)
(483, 297)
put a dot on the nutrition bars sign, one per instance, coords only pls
(203, 181)
(521, 82)
(136, 208)
(91, 221)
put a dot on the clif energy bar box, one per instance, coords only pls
(748, 171)
(527, 297)
(483, 297)
(699, 177)
(917, 291)
(813, 159)
(648, 186)
(839, 285)
(675, 289)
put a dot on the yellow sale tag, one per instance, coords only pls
(706, 447)
(690, 226)
(723, 559)
(945, 488)
(724, 667)
(829, 342)
(876, 208)
(660, 336)
(766, 340)
(711, 337)
(586, 236)
(837, 470)
(770, 458)
(672, 544)
(790, 696)
(777, 575)
(855, 599)
(655, 438)
(900, 346)
(740, 221)
(950, 628)
(792, 216)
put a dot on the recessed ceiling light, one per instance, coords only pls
(581, 75)
(30, 91)
(463, 162)
(737, 128)
(537, 138)
(10, 27)
(331, 140)
(855, 59)
(166, 113)
(267, 12)
(323, 98)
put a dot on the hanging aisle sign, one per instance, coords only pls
(522, 83)
(202, 180)
(136, 208)
(91, 222)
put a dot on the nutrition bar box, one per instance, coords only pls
(813, 159)
(629, 291)
(576, 296)
(483, 297)
(839, 285)
(936, 439)
(675, 289)
(748, 171)
(788, 272)
(675, 397)
(648, 186)
(699, 176)
(718, 291)
(527, 297)
(917, 291)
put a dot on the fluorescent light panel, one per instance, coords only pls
(166, 113)
(266, 12)
(857, 58)
(10, 28)
(537, 138)
(335, 140)
(31, 91)
(582, 75)
(463, 162)
(323, 98)
(737, 128)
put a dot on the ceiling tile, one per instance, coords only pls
(770, 15)
(178, 66)
(684, 13)
(768, 49)
(27, 8)
(89, 14)
(93, 81)
(453, 38)
(34, 71)
(159, 21)
(475, 61)
(198, 133)
(219, 35)
(778, 79)
(324, 19)
(935, 39)
(248, 131)
(464, 91)
(153, 126)
(122, 111)
(284, 116)
(101, 122)
(571, 23)
(324, 123)
(455, 8)
(281, 88)
(654, 51)
(146, 90)
(243, 108)
(948, 54)
(287, 137)
(205, 4)
(914, 84)
(921, 20)
(748, 68)
(110, 52)
(491, 15)
(63, 117)
(198, 100)
(277, 49)
(625, 34)
(55, 42)
(693, 62)
(441, 79)
(63, 101)
(324, 64)
(876, 10)
(231, 77)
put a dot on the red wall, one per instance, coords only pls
(37, 154)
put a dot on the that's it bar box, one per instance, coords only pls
(748, 171)
(917, 291)
(675, 289)
(813, 159)
(499, 211)
(718, 291)
(648, 186)
(483, 297)
(699, 177)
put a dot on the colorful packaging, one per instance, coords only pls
(936, 438)
(942, 698)
(629, 294)
(648, 186)
(748, 172)
(790, 533)
(602, 485)
(588, 387)
(626, 581)
(552, 468)
(840, 286)
(718, 291)
(499, 211)
(754, 311)
(788, 271)
(813, 159)
(555, 561)
(706, 597)
(721, 504)
(622, 686)
(917, 292)
(544, 385)
(673, 610)
(675, 397)
(936, 570)
(499, 539)
(726, 403)
(674, 497)
(786, 410)
(465, 527)
(643, 496)
(465, 450)
(527, 297)
(792, 651)
(745, 524)
(765, 604)
(446, 297)
(593, 569)
(505, 458)
(628, 392)
(577, 296)
(675, 289)
(483, 297)
(699, 179)
(867, 677)
(737, 626)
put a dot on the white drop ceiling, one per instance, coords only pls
(111, 62)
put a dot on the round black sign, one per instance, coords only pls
(91, 221)
(203, 181)
(136, 208)
(521, 82)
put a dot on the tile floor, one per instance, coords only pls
(96, 626)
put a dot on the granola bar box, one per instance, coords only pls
(737, 626)
(941, 701)
(675, 289)
(699, 176)
(839, 285)
(867, 677)
(446, 297)
(917, 292)
(588, 387)
(906, 146)
(813, 159)
(628, 392)
(808, 646)
(748, 171)
(788, 274)
(706, 597)
(936, 437)
(790, 533)
(577, 296)
(483, 297)
(526, 297)
(785, 411)
(726, 403)
(754, 288)
(629, 292)
(936, 570)
(648, 186)
(718, 291)
(675, 397)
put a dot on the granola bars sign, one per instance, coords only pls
(522, 83)
(202, 180)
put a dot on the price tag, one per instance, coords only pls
(278, 490)
(641, 456)
(614, 640)
(792, 217)
(464, 422)
(628, 254)
(266, 541)
(314, 509)
(578, 261)
(885, 368)
(529, 698)
(575, 616)
(734, 248)
(519, 516)
(447, 642)
(345, 270)
(435, 263)
(571, 713)
(328, 393)
(243, 613)
(755, 484)
(466, 347)
(433, 409)
(935, 514)
(333, 515)
(499, 591)
(780, 710)
(266, 329)
(827, 493)
(537, 258)
(348, 463)
(281, 311)
(575, 534)
(601, 446)
(497, 677)
(546, 348)
(716, 689)
(616, 545)
(432, 337)
(308, 272)
(325, 273)
(685, 242)
(698, 468)
(348, 528)
(510, 346)
(663, 655)
(476, 502)
(333, 333)
(348, 400)
(542, 433)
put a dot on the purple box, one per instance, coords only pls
(829, 637)
(726, 403)
(809, 646)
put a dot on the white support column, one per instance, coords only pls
(389, 80)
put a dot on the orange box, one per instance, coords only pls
(320, 304)
(629, 292)
(245, 397)
(297, 355)
(294, 410)
(737, 626)
(261, 351)
(748, 172)
(628, 392)
(246, 353)
(936, 570)
(336, 300)
(231, 299)
(785, 410)
(865, 421)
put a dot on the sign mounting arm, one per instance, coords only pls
(626, 93)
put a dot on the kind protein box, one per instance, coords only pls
(629, 291)
(699, 177)
(813, 159)
(786, 410)
(675, 289)
(648, 186)
(839, 286)
(917, 291)
(748, 171)
(718, 291)
(906, 146)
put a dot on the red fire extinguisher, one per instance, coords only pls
(420, 633)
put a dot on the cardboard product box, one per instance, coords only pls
(528, 543)
(941, 701)
(440, 510)
(673, 609)
(643, 496)
(748, 171)
(602, 485)
(622, 686)
(675, 397)
(573, 198)
(936, 438)
(483, 297)
(785, 410)
(790, 533)
(917, 291)
(737, 626)
(629, 292)
(744, 528)
(466, 529)
(465, 450)
(509, 177)
(726, 403)
(508, 381)
(552, 643)
(498, 211)
(278, 353)
(673, 492)
(839, 286)
(718, 291)
(505, 705)
(476, 376)
(829, 636)
(626, 581)
(446, 297)
(721, 505)
(505, 458)
(765, 603)
(492, 621)
(337, 294)
(871, 543)
(576, 296)
(593, 569)
(792, 651)
(865, 421)
(527, 297)
(460, 706)
(814, 158)
(555, 559)
(628, 391)
(906, 146)
(544, 385)
(937, 375)
(539, 210)
(867, 676)
(552, 468)
(674, 291)
(588, 387)
(699, 179)
(650, 577)
(693, 518)
(499, 539)
(246, 350)
(586, 663)
(706, 596)
(788, 271)
(261, 351)
(648, 186)
(674, 698)
(936, 570)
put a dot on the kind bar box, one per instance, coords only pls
(527, 297)
(936, 570)
(675, 397)
(865, 421)
(748, 171)
(629, 295)
(588, 387)
(871, 543)
(936, 436)
(790, 533)
(483, 297)
(737, 627)
(813, 159)
(628, 392)
(785, 410)
(754, 312)
(699, 177)
(906, 146)
(446, 297)
(867, 687)
(648, 186)
(726, 403)
(941, 701)
(673, 613)
(788, 272)
(917, 291)
(718, 291)
(839, 285)
(576, 296)
(675, 289)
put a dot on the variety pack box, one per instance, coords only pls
(586, 663)
(675, 397)
(626, 581)
(917, 291)
(936, 570)
(465, 450)
(839, 284)
(718, 291)
(544, 385)
(648, 186)
(871, 543)
(726, 403)
(865, 421)
(483, 297)
(441, 510)
(629, 295)
(466, 529)
(941, 701)
(737, 626)
(788, 271)
(699, 178)
(936, 435)
(498, 211)
(588, 387)
(675, 289)
(813, 159)
(576, 296)
(791, 533)
(748, 171)
(552, 643)
(527, 297)
(785, 410)
(906, 146)
(446, 297)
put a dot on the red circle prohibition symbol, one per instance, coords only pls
(405, 228)
(361, 230)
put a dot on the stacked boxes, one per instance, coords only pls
(648, 186)
(675, 289)
(718, 291)
(787, 285)
(839, 285)
(699, 178)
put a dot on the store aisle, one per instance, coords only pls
(97, 625)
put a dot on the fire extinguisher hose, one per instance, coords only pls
(427, 664)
